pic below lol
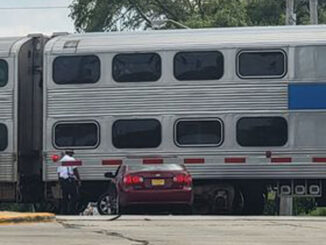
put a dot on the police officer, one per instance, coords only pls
(69, 180)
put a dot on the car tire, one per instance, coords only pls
(107, 204)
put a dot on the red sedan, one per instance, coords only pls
(152, 185)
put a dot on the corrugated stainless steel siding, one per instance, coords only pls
(8, 167)
(301, 167)
(259, 171)
(6, 105)
(218, 171)
(165, 100)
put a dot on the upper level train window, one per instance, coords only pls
(3, 137)
(261, 64)
(136, 133)
(76, 69)
(137, 67)
(3, 73)
(75, 135)
(207, 65)
(262, 131)
(206, 132)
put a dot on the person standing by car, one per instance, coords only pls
(69, 180)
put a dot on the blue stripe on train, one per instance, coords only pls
(307, 96)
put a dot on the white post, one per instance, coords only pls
(286, 206)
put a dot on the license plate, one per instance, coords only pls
(158, 182)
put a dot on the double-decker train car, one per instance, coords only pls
(243, 108)
(21, 62)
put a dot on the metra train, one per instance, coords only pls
(243, 108)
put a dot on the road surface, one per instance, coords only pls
(176, 230)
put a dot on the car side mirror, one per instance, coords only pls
(109, 175)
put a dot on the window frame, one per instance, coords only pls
(7, 132)
(7, 67)
(198, 145)
(77, 122)
(135, 53)
(135, 119)
(262, 51)
(199, 51)
(79, 55)
(259, 117)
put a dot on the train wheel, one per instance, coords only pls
(107, 204)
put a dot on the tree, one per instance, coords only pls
(116, 15)
(262, 12)
(112, 15)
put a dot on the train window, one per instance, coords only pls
(263, 64)
(74, 135)
(136, 133)
(138, 67)
(206, 132)
(3, 73)
(207, 65)
(76, 69)
(262, 131)
(3, 137)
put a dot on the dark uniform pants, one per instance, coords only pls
(69, 196)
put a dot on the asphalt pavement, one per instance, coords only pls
(146, 230)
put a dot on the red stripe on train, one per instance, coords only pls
(235, 160)
(281, 159)
(193, 160)
(112, 162)
(71, 163)
(319, 159)
(153, 161)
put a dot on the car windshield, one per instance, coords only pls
(161, 167)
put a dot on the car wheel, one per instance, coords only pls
(107, 204)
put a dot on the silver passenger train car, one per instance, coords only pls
(21, 62)
(243, 108)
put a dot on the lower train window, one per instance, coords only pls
(3, 137)
(261, 64)
(262, 131)
(3, 73)
(74, 135)
(76, 69)
(138, 67)
(198, 132)
(136, 133)
(203, 65)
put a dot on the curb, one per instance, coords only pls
(16, 217)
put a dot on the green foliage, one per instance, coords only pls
(262, 12)
(303, 205)
(16, 207)
(114, 15)
(271, 207)
(318, 212)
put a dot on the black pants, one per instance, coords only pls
(69, 196)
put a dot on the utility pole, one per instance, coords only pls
(290, 15)
(313, 6)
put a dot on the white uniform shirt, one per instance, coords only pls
(66, 171)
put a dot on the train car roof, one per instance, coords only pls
(8, 44)
(187, 39)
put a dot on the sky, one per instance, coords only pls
(20, 22)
